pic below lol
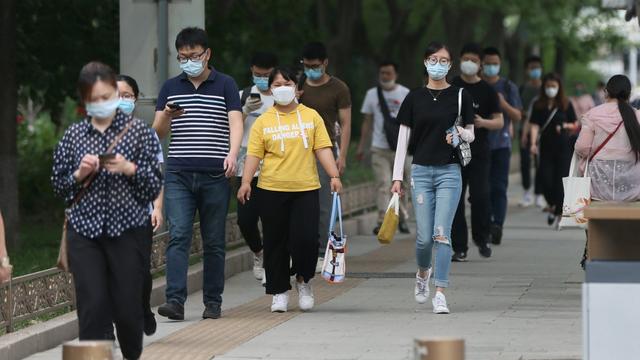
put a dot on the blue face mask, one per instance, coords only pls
(314, 74)
(192, 68)
(102, 109)
(436, 71)
(261, 82)
(535, 73)
(127, 106)
(491, 70)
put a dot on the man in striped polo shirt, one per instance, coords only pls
(201, 108)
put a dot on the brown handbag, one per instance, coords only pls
(63, 259)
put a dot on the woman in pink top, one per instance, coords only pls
(615, 169)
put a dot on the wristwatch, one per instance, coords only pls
(4, 262)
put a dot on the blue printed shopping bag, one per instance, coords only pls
(334, 268)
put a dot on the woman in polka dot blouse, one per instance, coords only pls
(108, 227)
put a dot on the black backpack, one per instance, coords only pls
(391, 124)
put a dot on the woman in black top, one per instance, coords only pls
(107, 228)
(552, 117)
(427, 117)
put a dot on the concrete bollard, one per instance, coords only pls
(88, 350)
(439, 349)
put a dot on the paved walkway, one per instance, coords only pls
(523, 303)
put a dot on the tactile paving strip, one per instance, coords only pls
(208, 338)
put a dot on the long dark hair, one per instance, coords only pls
(561, 101)
(619, 88)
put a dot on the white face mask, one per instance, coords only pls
(103, 109)
(388, 84)
(551, 91)
(283, 95)
(469, 68)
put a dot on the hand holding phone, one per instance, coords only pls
(104, 158)
(174, 107)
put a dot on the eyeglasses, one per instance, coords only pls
(127, 96)
(183, 60)
(311, 66)
(432, 60)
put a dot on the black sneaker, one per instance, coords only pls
(172, 310)
(496, 234)
(150, 325)
(485, 251)
(376, 229)
(404, 228)
(212, 311)
(459, 257)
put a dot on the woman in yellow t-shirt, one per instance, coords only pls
(288, 138)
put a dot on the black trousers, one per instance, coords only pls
(476, 177)
(525, 162)
(554, 165)
(290, 228)
(108, 276)
(147, 282)
(248, 216)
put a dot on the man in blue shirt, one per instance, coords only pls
(500, 140)
(201, 107)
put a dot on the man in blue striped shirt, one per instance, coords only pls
(201, 108)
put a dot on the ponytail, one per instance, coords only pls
(631, 125)
(619, 88)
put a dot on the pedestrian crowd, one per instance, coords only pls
(279, 146)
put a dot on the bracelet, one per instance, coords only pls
(336, 177)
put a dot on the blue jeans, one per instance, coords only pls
(435, 192)
(499, 180)
(186, 192)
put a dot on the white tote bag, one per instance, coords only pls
(577, 195)
(334, 268)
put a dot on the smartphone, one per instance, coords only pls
(254, 96)
(175, 107)
(106, 157)
(456, 136)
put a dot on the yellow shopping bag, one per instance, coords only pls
(390, 222)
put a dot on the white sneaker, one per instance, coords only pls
(258, 268)
(305, 296)
(319, 265)
(422, 287)
(527, 199)
(280, 302)
(440, 303)
(540, 202)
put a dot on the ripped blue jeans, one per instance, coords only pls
(436, 192)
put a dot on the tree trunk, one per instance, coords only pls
(9, 101)
(560, 62)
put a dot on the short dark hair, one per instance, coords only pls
(388, 63)
(131, 82)
(90, 74)
(192, 37)
(471, 48)
(435, 46)
(532, 59)
(264, 60)
(314, 50)
(491, 50)
(286, 72)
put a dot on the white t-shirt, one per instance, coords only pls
(370, 106)
(267, 102)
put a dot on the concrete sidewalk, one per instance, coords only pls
(523, 303)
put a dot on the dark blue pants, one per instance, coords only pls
(208, 193)
(499, 180)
